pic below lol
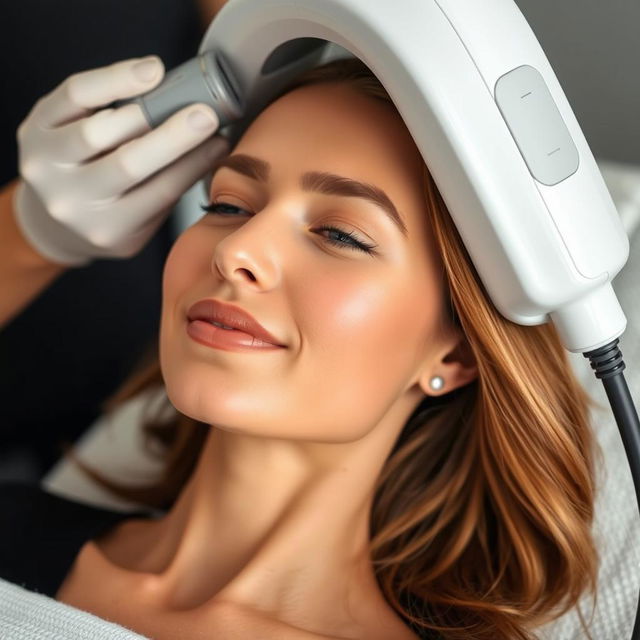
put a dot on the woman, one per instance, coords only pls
(397, 459)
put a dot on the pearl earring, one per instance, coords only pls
(436, 383)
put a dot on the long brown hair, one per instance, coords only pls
(481, 520)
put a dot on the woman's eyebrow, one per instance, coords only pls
(327, 183)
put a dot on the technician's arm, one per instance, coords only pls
(23, 271)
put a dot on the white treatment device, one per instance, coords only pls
(492, 122)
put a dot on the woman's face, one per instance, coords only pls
(357, 327)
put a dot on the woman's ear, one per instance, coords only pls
(454, 363)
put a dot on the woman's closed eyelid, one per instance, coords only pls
(230, 198)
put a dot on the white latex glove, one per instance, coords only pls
(95, 181)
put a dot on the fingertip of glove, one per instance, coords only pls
(147, 69)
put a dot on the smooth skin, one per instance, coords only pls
(273, 524)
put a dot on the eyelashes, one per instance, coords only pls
(352, 242)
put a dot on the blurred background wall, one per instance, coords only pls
(594, 49)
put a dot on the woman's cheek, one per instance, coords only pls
(183, 264)
(354, 307)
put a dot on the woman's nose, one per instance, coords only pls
(250, 255)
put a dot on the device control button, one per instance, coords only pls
(536, 125)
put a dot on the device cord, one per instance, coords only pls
(608, 365)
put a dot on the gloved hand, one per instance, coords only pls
(95, 181)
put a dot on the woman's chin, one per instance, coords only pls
(188, 399)
(200, 402)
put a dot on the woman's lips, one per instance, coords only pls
(229, 315)
(226, 339)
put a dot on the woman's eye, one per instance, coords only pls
(214, 207)
(352, 241)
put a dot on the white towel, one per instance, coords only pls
(25, 615)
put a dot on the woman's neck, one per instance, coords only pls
(280, 527)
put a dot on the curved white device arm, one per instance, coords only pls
(489, 116)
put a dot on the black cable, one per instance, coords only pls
(608, 365)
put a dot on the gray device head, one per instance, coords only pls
(209, 78)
